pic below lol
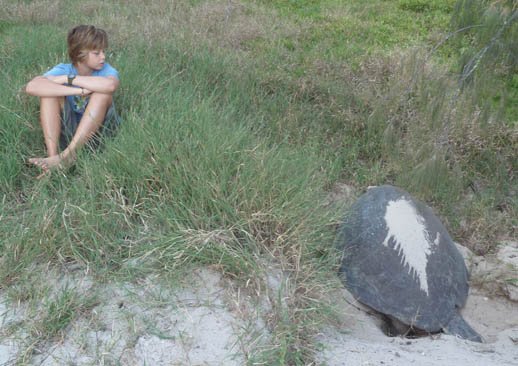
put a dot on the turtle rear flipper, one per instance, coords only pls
(458, 327)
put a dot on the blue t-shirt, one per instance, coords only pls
(79, 103)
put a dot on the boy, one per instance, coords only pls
(76, 99)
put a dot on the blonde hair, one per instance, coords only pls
(84, 38)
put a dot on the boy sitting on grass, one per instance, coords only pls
(76, 99)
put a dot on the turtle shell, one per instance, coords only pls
(400, 260)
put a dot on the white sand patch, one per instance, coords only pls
(350, 350)
(201, 336)
(8, 316)
(149, 323)
(152, 350)
(496, 274)
(358, 340)
(8, 351)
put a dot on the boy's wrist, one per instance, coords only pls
(74, 91)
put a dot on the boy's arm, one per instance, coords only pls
(52, 86)
(99, 84)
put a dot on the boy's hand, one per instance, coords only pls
(63, 79)
(85, 92)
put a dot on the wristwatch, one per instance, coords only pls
(71, 78)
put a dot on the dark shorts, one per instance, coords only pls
(70, 121)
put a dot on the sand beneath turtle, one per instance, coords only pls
(360, 342)
(204, 323)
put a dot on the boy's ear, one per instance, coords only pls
(82, 55)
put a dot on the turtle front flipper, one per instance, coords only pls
(458, 327)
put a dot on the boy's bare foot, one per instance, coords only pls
(51, 162)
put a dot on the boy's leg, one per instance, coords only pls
(50, 118)
(92, 120)
(69, 124)
(88, 126)
(111, 122)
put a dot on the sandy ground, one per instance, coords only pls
(144, 324)
(207, 322)
(360, 342)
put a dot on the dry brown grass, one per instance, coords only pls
(202, 24)
(33, 12)
(161, 20)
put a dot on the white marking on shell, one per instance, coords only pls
(437, 239)
(412, 240)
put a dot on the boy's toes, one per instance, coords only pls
(38, 162)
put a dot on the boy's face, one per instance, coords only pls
(95, 59)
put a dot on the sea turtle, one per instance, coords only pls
(399, 260)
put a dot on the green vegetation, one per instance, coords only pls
(233, 133)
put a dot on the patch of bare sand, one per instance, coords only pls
(149, 323)
(8, 347)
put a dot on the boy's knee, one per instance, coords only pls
(101, 96)
(52, 101)
(102, 99)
